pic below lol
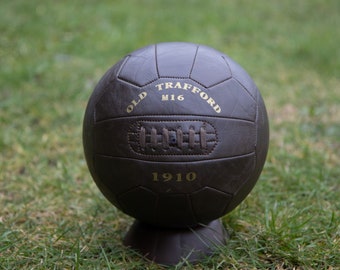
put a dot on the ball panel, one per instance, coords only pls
(148, 138)
(139, 202)
(117, 174)
(262, 131)
(227, 99)
(178, 66)
(226, 175)
(140, 68)
(209, 68)
(239, 74)
(234, 100)
(90, 116)
(174, 207)
(203, 199)
(166, 179)
(121, 174)
(107, 106)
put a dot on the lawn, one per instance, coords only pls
(52, 54)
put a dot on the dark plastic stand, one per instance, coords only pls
(170, 246)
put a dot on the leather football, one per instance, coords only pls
(176, 134)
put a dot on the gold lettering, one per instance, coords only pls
(168, 85)
(177, 177)
(211, 102)
(159, 86)
(129, 108)
(178, 85)
(191, 176)
(187, 86)
(204, 95)
(142, 95)
(195, 90)
(217, 108)
(134, 102)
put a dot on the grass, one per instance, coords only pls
(52, 53)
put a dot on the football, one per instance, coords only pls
(176, 134)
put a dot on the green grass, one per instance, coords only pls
(52, 53)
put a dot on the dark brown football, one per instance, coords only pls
(176, 134)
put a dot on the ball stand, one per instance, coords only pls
(169, 246)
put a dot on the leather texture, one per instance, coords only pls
(176, 134)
